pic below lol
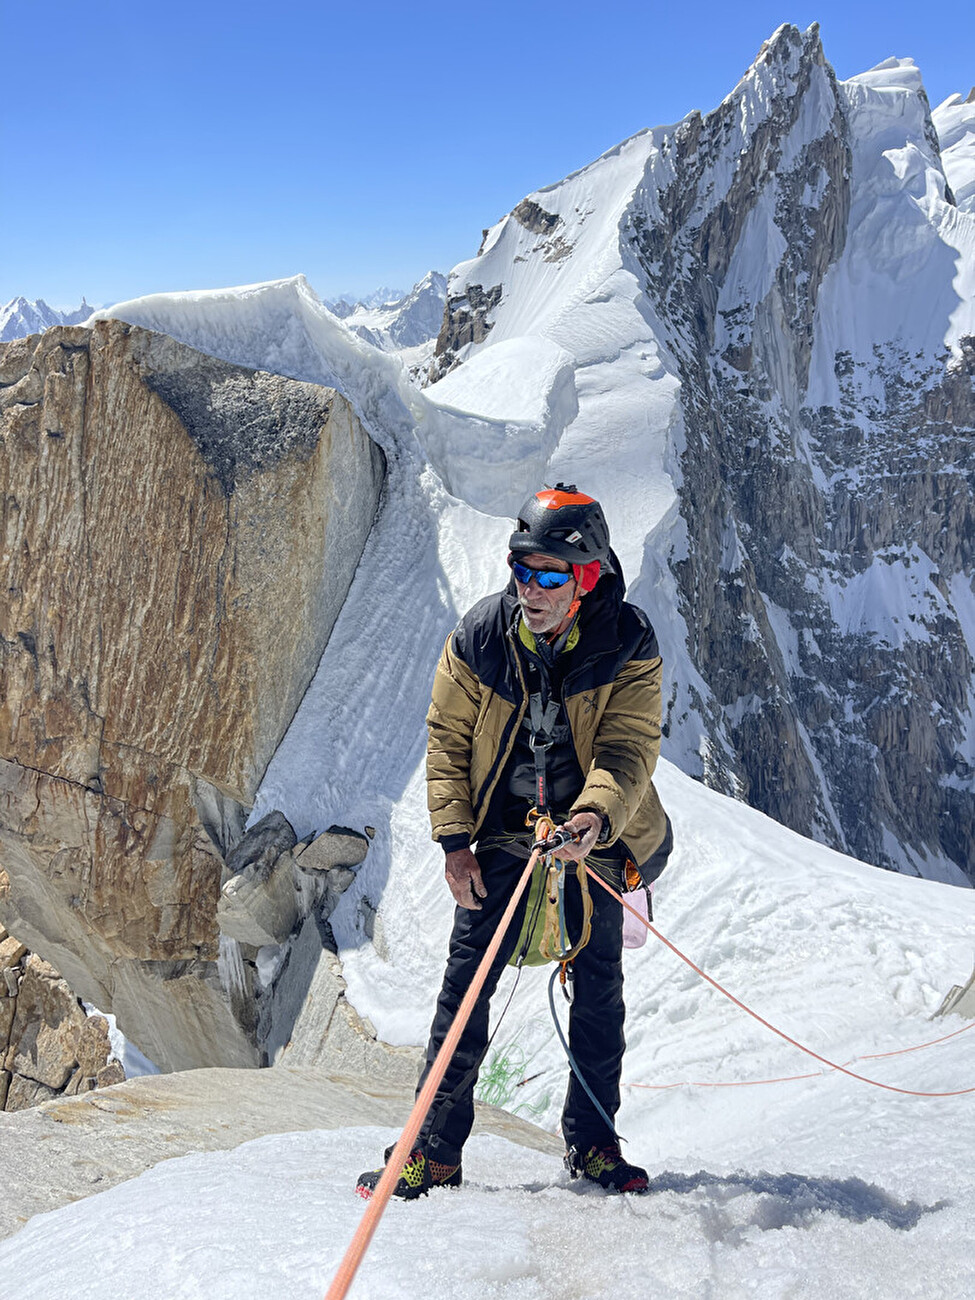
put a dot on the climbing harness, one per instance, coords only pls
(548, 884)
(540, 742)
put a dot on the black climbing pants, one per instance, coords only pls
(595, 1018)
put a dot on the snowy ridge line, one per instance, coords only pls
(794, 1078)
(833, 1065)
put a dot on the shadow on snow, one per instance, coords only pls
(792, 1200)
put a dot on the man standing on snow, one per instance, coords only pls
(557, 665)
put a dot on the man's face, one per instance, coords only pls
(543, 611)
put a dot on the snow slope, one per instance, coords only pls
(808, 1187)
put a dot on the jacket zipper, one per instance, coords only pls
(483, 799)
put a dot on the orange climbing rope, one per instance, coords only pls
(794, 1078)
(833, 1065)
(384, 1188)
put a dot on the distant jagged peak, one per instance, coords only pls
(779, 62)
(384, 298)
(408, 321)
(381, 297)
(22, 316)
(432, 280)
(787, 43)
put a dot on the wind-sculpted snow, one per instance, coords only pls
(524, 391)
(954, 121)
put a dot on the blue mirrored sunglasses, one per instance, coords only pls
(546, 578)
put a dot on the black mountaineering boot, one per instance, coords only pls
(606, 1166)
(419, 1174)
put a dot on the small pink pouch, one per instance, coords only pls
(634, 932)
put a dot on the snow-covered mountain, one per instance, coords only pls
(407, 324)
(750, 335)
(21, 317)
(384, 296)
(768, 314)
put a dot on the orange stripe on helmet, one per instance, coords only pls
(552, 499)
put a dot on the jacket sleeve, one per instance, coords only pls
(626, 746)
(451, 719)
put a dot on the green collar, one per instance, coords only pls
(527, 637)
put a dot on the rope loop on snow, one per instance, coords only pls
(833, 1065)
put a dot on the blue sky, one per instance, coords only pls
(194, 145)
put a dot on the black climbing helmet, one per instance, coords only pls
(564, 522)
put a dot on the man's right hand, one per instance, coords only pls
(464, 878)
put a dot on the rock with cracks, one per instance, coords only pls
(179, 536)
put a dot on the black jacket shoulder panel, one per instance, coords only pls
(480, 640)
(637, 637)
(613, 633)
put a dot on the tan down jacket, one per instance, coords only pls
(612, 698)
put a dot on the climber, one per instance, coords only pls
(546, 697)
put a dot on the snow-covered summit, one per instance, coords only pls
(22, 316)
(406, 321)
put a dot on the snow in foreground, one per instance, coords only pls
(272, 1218)
(815, 1185)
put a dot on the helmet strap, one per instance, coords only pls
(561, 634)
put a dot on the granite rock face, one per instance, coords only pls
(49, 1046)
(827, 496)
(179, 535)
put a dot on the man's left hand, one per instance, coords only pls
(586, 825)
